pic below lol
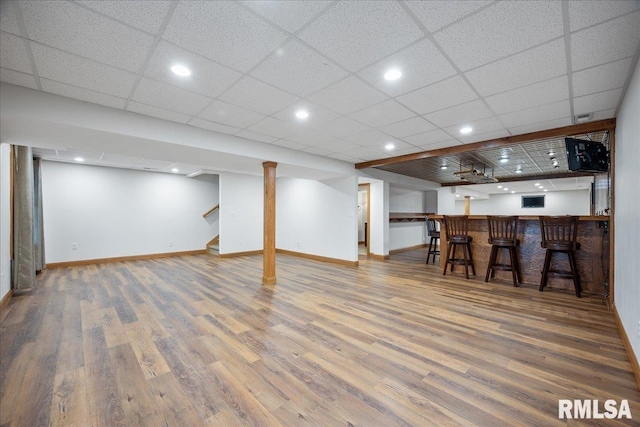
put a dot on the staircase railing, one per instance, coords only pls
(210, 211)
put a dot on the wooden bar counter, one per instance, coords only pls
(592, 258)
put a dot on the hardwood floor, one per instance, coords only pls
(199, 341)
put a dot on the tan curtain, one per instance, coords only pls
(24, 270)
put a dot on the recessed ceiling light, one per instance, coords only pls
(551, 153)
(390, 146)
(545, 190)
(504, 159)
(499, 186)
(471, 197)
(457, 195)
(444, 166)
(466, 130)
(79, 159)
(537, 184)
(181, 70)
(541, 187)
(505, 188)
(302, 114)
(512, 191)
(518, 170)
(393, 74)
(175, 170)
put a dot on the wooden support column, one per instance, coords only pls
(467, 205)
(269, 220)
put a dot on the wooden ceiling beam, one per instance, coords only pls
(597, 126)
(527, 178)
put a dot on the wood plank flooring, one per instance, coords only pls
(197, 341)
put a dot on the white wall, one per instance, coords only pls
(406, 234)
(379, 233)
(363, 208)
(318, 217)
(5, 220)
(446, 201)
(431, 201)
(627, 213)
(570, 202)
(110, 212)
(241, 212)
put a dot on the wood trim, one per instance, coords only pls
(238, 254)
(532, 217)
(379, 257)
(600, 125)
(269, 221)
(214, 241)
(5, 299)
(210, 211)
(124, 258)
(410, 248)
(633, 359)
(319, 258)
(526, 178)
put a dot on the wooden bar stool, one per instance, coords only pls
(560, 234)
(503, 231)
(434, 234)
(457, 229)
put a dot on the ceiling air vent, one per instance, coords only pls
(583, 118)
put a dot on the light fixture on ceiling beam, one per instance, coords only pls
(476, 175)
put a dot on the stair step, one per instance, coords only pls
(214, 249)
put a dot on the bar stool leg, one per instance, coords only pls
(429, 252)
(446, 264)
(466, 263)
(515, 258)
(492, 260)
(545, 270)
(512, 250)
(473, 267)
(574, 272)
(436, 243)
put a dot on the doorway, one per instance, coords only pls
(364, 219)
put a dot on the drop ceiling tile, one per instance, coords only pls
(606, 42)
(57, 65)
(437, 14)
(356, 36)
(340, 156)
(254, 136)
(605, 114)
(77, 30)
(427, 138)
(342, 127)
(316, 150)
(552, 90)
(153, 164)
(13, 54)
(297, 69)
(369, 138)
(337, 145)
(149, 110)
(363, 154)
(347, 96)
(223, 31)
(274, 127)
(597, 102)
(230, 115)
(18, 78)
(528, 67)
(603, 77)
(317, 114)
(484, 136)
(397, 146)
(309, 136)
(288, 15)
(500, 30)
(542, 113)
(382, 114)
(460, 114)
(421, 64)
(8, 21)
(438, 96)
(82, 94)
(116, 158)
(439, 145)
(586, 13)
(216, 127)
(290, 144)
(535, 127)
(481, 126)
(70, 155)
(257, 96)
(170, 98)
(407, 127)
(407, 150)
(207, 77)
(144, 15)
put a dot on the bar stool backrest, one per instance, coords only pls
(503, 230)
(431, 228)
(456, 226)
(559, 232)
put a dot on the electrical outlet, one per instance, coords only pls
(299, 244)
(171, 244)
(74, 246)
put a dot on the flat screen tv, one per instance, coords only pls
(586, 156)
(533, 201)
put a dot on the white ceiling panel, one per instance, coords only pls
(606, 42)
(440, 144)
(87, 95)
(538, 114)
(220, 30)
(586, 13)
(207, 77)
(153, 164)
(144, 15)
(337, 145)
(18, 78)
(460, 114)
(421, 64)
(397, 146)
(309, 136)
(484, 136)
(230, 115)
(288, 15)
(524, 68)
(407, 127)
(362, 154)
(343, 127)
(437, 14)
(605, 114)
(601, 78)
(71, 155)
(369, 138)
(481, 126)
(77, 30)
(500, 30)
(347, 96)
(159, 113)
(299, 70)
(382, 114)
(428, 138)
(274, 127)
(318, 151)
(534, 127)
(257, 96)
(168, 97)
(56, 65)
(597, 101)
(405, 151)
(13, 54)
(8, 21)
(438, 96)
(116, 158)
(317, 114)
(356, 36)
(290, 144)
(254, 136)
(533, 95)
(216, 127)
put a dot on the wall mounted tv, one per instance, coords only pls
(586, 156)
(533, 201)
